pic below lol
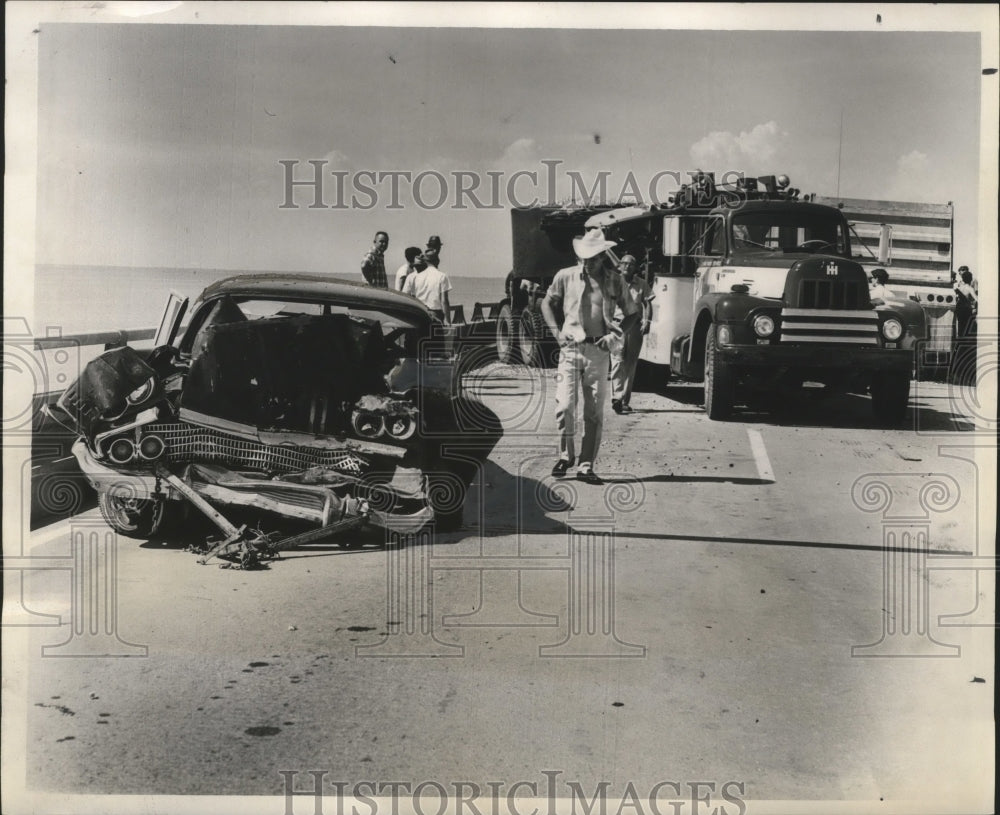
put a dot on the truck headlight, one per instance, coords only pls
(892, 329)
(763, 325)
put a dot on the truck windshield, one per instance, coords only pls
(788, 231)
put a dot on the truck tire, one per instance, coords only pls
(720, 381)
(138, 518)
(890, 397)
(532, 338)
(506, 336)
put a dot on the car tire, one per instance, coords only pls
(720, 381)
(140, 518)
(506, 336)
(532, 338)
(890, 398)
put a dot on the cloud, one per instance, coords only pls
(752, 150)
(917, 178)
(519, 152)
(336, 160)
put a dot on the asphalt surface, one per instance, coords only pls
(700, 618)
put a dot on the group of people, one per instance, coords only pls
(966, 297)
(598, 316)
(420, 276)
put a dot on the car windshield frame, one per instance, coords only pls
(391, 321)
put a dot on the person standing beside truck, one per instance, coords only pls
(623, 364)
(877, 287)
(373, 263)
(433, 251)
(412, 253)
(966, 302)
(579, 309)
(430, 286)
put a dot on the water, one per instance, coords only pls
(90, 298)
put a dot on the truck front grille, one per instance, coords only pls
(857, 327)
(833, 294)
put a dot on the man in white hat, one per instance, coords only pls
(579, 309)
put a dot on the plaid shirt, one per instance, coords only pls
(373, 269)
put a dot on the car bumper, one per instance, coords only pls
(302, 502)
(818, 356)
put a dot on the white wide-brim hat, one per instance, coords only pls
(591, 244)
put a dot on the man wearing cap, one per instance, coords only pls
(623, 365)
(373, 263)
(579, 309)
(433, 251)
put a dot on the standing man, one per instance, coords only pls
(373, 264)
(412, 253)
(579, 309)
(430, 286)
(623, 364)
(966, 302)
(433, 251)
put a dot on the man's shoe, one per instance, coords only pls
(616, 406)
(588, 477)
(625, 408)
(560, 468)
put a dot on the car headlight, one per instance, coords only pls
(143, 392)
(121, 450)
(368, 424)
(763, 325)
(892, 329)
(400, 427)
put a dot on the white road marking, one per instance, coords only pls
(760, 455)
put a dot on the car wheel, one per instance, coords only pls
(532, 333)
(506, 352)
(890, 397)
(720, 381)
(134, 517)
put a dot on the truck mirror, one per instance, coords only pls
(885, 245)
(671, 236)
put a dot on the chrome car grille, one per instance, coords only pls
(856, 327)
(186, 443)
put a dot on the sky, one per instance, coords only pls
(160, 145)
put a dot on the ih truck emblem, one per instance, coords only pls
(831, 268)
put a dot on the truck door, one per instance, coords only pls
(674, 282)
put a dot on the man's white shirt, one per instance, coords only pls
(429, 287)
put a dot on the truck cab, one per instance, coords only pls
(755, 292)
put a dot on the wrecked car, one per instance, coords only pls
(320, 401)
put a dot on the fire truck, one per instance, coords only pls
(757, 289)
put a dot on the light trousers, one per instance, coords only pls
(583, 371)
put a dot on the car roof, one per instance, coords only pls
(306, 286)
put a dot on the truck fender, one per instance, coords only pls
(696, 350)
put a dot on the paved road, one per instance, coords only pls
(701, 617)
